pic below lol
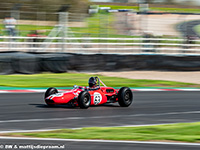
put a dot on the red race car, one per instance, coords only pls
(94, 94)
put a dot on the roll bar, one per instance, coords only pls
(99, 81)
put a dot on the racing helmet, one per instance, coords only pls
(92, 81)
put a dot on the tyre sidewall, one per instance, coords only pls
(50, 91)
(121, 97)
(81, 99)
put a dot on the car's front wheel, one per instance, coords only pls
(125, 97)
(49, 92)
(84, 100)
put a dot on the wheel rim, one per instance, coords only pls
(127, 97)
(86, 100)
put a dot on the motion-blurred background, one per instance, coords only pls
(57, 36)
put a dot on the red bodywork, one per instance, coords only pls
(99, 96)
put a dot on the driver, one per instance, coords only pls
(92, 82)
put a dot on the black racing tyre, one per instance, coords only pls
(50, 91)
(84, 100)
(125, 97)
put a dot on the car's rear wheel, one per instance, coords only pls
(84, 100)
(49, 92)
(125, 97)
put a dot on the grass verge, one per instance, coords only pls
(81, 79)
(184, 132)
(24, 30)
(164, 9)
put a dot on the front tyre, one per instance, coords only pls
(50, 91)
(125, 97)
(84, 100)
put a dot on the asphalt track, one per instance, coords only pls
(187, 28)
(29, 112)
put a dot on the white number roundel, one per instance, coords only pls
(97, 98)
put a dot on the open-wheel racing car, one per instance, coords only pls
(92, 95)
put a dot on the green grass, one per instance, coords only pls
(179, 10)
(184, 132)
(197, 29)
(120, 7)
(24, 30)
(99, 25)
(70, 79)
(164, 9)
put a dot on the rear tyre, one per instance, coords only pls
(49, 92)
(84, 100)
(125, 97)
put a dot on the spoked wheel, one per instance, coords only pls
(84, 100)
(125, 97)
